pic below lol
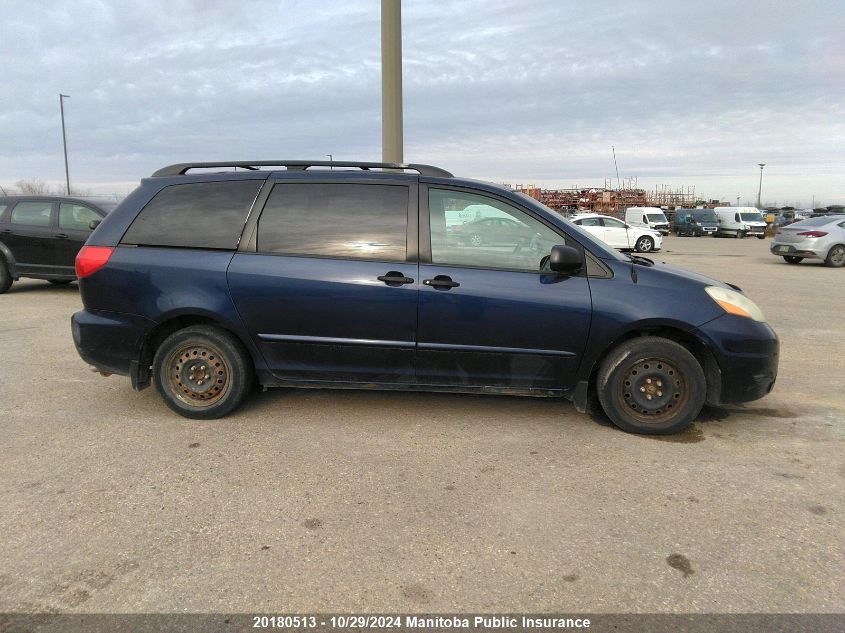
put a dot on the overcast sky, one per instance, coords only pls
(689, 92)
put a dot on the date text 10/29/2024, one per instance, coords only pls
(418, 622)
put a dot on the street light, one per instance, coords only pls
(760, 188)
(64, 138)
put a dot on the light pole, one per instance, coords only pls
(391, 81)
(760, 188)
(64, 138)
(737, 199)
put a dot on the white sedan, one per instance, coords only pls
(617, 234)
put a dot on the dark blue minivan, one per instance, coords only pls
(212, 278)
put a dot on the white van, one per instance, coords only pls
(648, 217)
(740, 221)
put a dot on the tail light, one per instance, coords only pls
(813, 233)
(91, 259)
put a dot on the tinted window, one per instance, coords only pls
(76, 217)
(335, 220)
(32, 213)
(201, 215)
(510, 239)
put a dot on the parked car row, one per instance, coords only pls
(41, 235)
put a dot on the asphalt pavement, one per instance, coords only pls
(334, 501)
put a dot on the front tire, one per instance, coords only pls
(202, 372)
(791, 259)
(645, 244)
(740, 235)
(835, 257)
(651, 385)
(761, 237)
(5, 277)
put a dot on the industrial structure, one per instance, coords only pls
(613, 201)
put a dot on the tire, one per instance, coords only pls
(740, 235)
(475, 239)
(60, 282)
(792, 259)
(761, 237)
(186, 385)
(644, 245)
(835, 256)
(640, 368)
(5, 277)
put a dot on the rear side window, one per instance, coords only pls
(32, 213)
(198, 215)
(3, 208)
(76, 217)
(336, 220)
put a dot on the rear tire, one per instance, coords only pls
(202, 372)
(651, 385)
(792, 259)
(835, 256)
(5, 277)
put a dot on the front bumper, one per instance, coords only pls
(747, 353)
(109, 341)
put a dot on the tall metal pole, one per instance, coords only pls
(64, 138)
(760, 188)
(391, 81)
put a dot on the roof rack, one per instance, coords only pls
(180, 169)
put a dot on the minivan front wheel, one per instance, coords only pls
(202, 372)
(651, 385)
(645, 244)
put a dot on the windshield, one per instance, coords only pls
(705, 217)
(656, 218)
(751, 217)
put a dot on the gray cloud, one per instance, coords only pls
(688, 92)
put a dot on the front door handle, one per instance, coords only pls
(6, 231)
(441, 282)
(61, 236)
(394, 278)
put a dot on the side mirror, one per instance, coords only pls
(93, 224)
(565, 259)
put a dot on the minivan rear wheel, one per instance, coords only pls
(202, 372)
(651, 385)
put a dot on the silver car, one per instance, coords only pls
(817, 238)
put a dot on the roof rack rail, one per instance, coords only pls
(180, 169)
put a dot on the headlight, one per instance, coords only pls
(734, 302)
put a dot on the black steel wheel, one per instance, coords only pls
(792, 259)
(645, 244)
(5, 277)
(202, 372)
(651, 385)
(835, 257)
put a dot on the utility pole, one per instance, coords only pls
(760, 188)
(737, 199)
(391, 82)
(64, 138)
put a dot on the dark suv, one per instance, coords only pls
(41, 235)
(294, 275)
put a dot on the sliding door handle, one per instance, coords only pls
(441, 282)
(394, 278)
